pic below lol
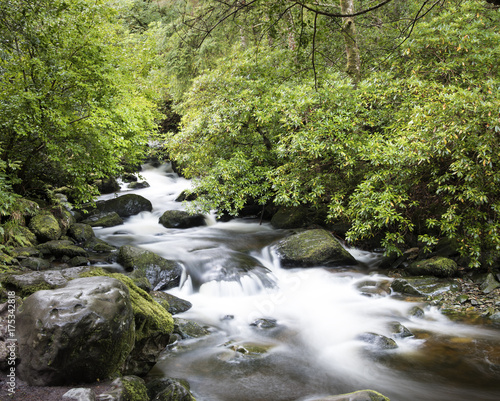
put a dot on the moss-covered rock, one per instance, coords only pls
(189, 329)
(125, 205)
(489, 284)
(181, 219)
(81, 232)
(34, 263)
(152, 322)
(313, 248)
(127, 388)
(362, 395)
(106, 219)
(436, 266)
(161, 273)
(60, 248)
(98, 245)
(45, 227)
(424, 285)
(168, 389)
(138, 185)
(170, 302)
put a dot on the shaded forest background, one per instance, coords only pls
(383, 116)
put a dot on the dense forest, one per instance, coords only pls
(381, 116)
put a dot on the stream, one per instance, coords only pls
(296, 334)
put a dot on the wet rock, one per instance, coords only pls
(378, 341)
(265, 323)
(60, 248)
(81, 232)
(171, 303)
(186, 196)
(189, 329)
(138, 185)
(399, 331)
(27, 283)
(362, 395)
(168, 389)
(81, 332)
(79, 394)
(161, 273)
(126, 388)
(108, 185)
(423, 286)
(436, 266)
(313, 248)
(416, 311)
(106, 219)
(129, 177)
(25, 252)
(98, 245)
(36, 264)
(78, 261)
(181, 219)
(45, 227)
(489, 284)
(125, 205)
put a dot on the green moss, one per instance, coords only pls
(437, 267)
(150, 317)
(135, 389)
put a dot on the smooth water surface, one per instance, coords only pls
(281, 334)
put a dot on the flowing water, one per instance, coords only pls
(296, 334)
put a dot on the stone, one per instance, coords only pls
(106, 219)
(81, 332)
(36, 264)
(138, 185)
(378, 341)
(189, 329)
(81, 232)
(126, 388)
(171, 303)
(108, 185)
(313, 248)
(489, 284)
(181, 219)
(60, 248)
(362, 395)
(98, 245)
(423, 285)
(161, 273)
(436, 266)
(45, 227)
(125, 205)
(80, 394)
(400, 331)
(168, 389)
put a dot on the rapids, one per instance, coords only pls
(294, 334)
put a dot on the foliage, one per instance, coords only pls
(409, 154)
(72, 102)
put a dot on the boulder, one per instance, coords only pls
(80, 332)
(45, 227)
(489, 284)
(108, 185)
(168, 389)
(98, 245)
(378, 341)
(437, 266)
(138, 185)
(81, 232)
(313, 248)
(79, 394)
(34, 263)
(161, 273)
(60, 248)
(424, 285)
(125, 205)
(362, 395)
(181, 219)
(153, 323)
(126, 388)
(171, 303)
(189, 329)
(105, 219)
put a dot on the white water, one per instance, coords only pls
(320, 314)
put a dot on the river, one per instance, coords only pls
(296, 334)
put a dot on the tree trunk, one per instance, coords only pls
(353, 67)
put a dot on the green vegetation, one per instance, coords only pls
(387, 118)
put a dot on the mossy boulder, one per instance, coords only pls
(161, 273)
(437, 266)
(45, 227)
(60, 248)
(362, 395)
(189, 329)
(81, 232)
(153, 326)
(138, 185)
(168, 389)
(489, 284)
(424, 285)
(80, 332)
(313, 248)
(34, 263)
(126, 388)
(105, 219)
(181, 219)
(108, 185)
(171, 303)
(98, 245)
(125, 205)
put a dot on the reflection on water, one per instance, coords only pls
(294, 334)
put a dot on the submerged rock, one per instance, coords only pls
(161, 273)
(181, 219)
(81, 332)
(362, 395)
(437, 267)
(313, 248)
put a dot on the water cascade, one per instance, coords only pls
(297, 334)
